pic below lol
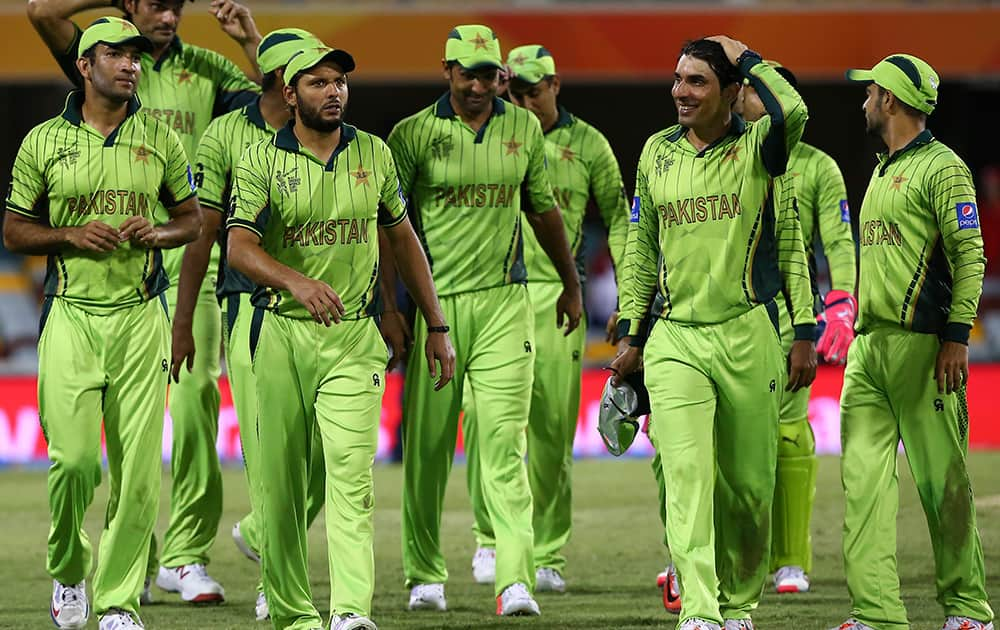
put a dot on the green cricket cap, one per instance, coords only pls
(473, 46)
(279, 46)
(910, 78)
(112, 31)
(531, 63)
(312, 56)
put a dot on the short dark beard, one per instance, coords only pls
(312, 119)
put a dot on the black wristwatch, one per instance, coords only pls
(438, 329)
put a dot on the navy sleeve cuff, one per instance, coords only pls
(748, 60)
(621, 328)
(805, 332)
(957, 332)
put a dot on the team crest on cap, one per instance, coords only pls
(968, 215)
(845, 211)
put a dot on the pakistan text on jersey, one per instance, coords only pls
(329, 232)
(111, 202)
(879, 232)
(477, 195)
(700, 209)
(179, 121)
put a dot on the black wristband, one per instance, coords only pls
(438, 329)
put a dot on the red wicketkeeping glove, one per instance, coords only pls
(839, 311)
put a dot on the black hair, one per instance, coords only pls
(268, 81)
(520, 85)
(714, 55)
(908, 109)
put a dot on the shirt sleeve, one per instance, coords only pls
(637, 286)
(792, 262)
(178, 183)
(608, 191)
(212, 168)
(233, 89)
(251, 194)
(392, 203)
(27, 194)
(536, 180)
(778, 132)
(833, 217)
(67, 59)
(403, 156)
(952, 196)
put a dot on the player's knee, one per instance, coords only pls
(77, 466)
(795, 439)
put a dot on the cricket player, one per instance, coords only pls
(185, 86)
(219, 151)
(711, 246)
(581, 167)
(304, 230)
(83, 191)
(922, 269)
(464, 162)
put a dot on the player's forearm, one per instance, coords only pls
(968, 265)
(250, 50)
(194, 266)
(551, 234)
(387, 271)
(24, 236)
(51, 19)
(183, 227)
(793, 264)
(244, 254)
(841, 259)
(414, 271)
(784, 106)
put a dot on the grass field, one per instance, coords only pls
(614, 556)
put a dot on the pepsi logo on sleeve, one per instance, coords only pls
(968, 215)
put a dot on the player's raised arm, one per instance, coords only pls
(236, 21)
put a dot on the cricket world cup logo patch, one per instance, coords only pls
(636, 204)
(845, 212)
(968, 215)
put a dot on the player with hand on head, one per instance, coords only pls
(307, 202)
(922, 268)
(711, 246)
(581, 167)
(821, 199)
(83, 191)
(219, 151)
(185, 86)
(465, 162)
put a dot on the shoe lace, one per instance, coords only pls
(198, 570)
(484, 553)
(516, 589)
(433, 590)
(70, 593)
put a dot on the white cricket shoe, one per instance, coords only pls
(699, 624)
(70, 606)
(484, 565)
(853, 624)
(516, 600)
(350, 621)
(192, 582)
(146, 596)
(966, 623)
(428, 597)
(243, 545)
(738, 624)
(260, 609)
(548, 579)
(791, 579)
(117, 619)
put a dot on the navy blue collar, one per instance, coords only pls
(443, 109)
(285, 139)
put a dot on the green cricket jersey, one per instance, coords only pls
(67, 174)
(219, 151)
(581, 166)
(186, 88)
(320, 218)
(708, 239)
(465, 191)
(922, 261)
(824, 213)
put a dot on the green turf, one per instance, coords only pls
(614, 557)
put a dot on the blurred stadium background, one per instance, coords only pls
(616, 60)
